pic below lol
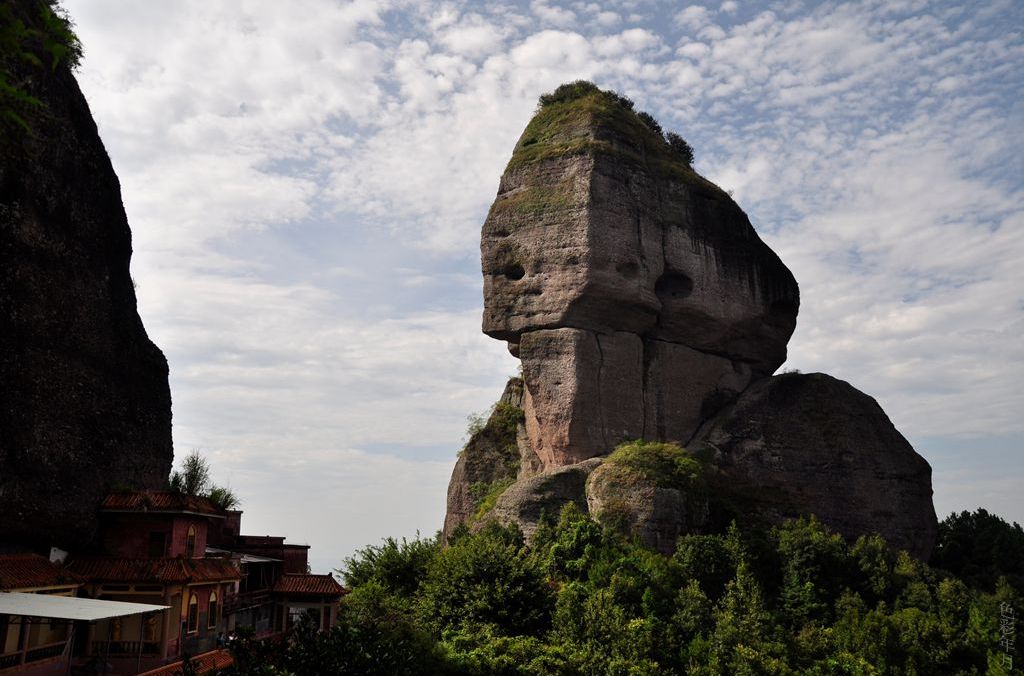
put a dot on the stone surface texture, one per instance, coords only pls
(656, 515)
(643, 305)
(809, 443)
(526, 501)
(84, 398)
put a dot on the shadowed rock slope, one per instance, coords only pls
(84, 402)
(643, 305)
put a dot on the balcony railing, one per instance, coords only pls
(236, 602)
(45, 652)
(42, 652)
(125, 648)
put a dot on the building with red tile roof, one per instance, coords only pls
(154, 552)
(317, 585)
(31, 572)
(26, 645)
(174, 552)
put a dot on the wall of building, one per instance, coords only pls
(179, 536)
(129, 535)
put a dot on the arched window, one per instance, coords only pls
(212, 614)
(193, 614)
(190, 542)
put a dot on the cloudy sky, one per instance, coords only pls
(306, 182)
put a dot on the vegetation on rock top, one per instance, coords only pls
(579, 118)
(44, 41)
(667, 464)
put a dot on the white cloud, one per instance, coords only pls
(694, 16)
(306, 190)
(556, 16)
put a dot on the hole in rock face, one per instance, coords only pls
(673, 285)
(514, 271)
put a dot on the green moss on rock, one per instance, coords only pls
(668, 465)
(537, 199)
(486, 496)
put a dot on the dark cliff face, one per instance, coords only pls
(808, 443)
(85, 404)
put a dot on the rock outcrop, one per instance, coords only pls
(489, 460)
(84, 402)
(809, 443)
(636, 293)
(643, 305)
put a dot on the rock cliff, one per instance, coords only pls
(85, 404)
(643, 305)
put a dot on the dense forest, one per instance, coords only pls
(797, 599)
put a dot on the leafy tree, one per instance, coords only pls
(223, 497)
(708, 561)
(679, 144)
(873, 563)
(570, 548)
(742, 617)
(397, 566)
(194, 476)
(649, 122)
(194, 479)
(979, 548)
(816, 567)
(796, 599)
(487, 579)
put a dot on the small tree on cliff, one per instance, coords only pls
(194, 479)
(679, 144)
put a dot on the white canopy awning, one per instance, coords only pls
(69, 607)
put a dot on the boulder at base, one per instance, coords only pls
(812, 444)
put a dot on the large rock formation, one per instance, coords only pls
(636, 293)
(84, 402)
(643, 305)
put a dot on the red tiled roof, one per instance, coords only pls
(159, 501)
(291, 583)
(26, 571)
(205, 663)
(168, 571)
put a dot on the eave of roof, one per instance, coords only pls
(163, 570)
(165, 502)
(311, 585)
